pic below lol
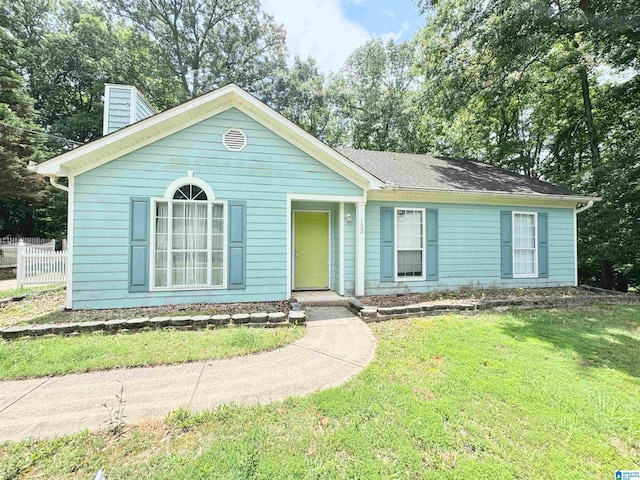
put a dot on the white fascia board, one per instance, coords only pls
(477, 197)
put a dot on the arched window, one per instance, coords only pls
(189, 237)
(190, 192)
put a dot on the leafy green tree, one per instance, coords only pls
(210, 43)
(19, 188)
(521, 85)
(300, 93)
(375, 92)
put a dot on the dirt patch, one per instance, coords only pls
(172, 310)
(452, 296)
(48, 309)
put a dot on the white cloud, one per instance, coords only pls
(388, 13)
(318, 28)
(396, 36)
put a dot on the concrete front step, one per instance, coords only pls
(321, 298)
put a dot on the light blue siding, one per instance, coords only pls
(469, 249)
(261, 174)
(119, 108)
(143, 108)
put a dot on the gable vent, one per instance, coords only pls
(234, 139)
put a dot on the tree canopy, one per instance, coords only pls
(546, 88)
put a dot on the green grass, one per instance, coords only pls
(36, 304)
(536, 395)
(37, 357)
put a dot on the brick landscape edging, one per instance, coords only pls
(376, 314)
(195, 322)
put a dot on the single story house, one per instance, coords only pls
(222, 199)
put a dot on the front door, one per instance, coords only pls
(311, 250)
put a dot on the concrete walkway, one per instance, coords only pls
(336, 346)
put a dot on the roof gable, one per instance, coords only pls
(194, 111)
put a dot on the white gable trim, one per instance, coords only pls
(154, 128)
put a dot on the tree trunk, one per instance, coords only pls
(606, 275)
(588, 114)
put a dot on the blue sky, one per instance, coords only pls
(329, 30)
(381, 17)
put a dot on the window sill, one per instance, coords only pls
(183, 289)
(410, 279)
(526, 276)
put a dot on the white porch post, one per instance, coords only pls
(341, 248)
(360, 236)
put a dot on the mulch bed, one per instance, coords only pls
(171, 310)
(454, 296)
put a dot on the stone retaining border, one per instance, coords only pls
(196, 322)
(376, 314)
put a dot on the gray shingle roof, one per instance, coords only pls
(441, 173)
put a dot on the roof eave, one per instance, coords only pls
(479, 195)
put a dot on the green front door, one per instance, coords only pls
(311, 250)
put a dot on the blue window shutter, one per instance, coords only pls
(432, 244)
(139, 245)
(386, 244)
(543, 246)
(506, 244)
(237, 244)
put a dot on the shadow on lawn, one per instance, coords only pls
(601, 336)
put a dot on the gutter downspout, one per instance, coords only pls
(54, 181)
(585, 208)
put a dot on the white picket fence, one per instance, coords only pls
(9, 248)
(37, 266)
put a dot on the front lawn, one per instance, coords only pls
(535, 394)
(37, 357)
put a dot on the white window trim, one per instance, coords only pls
(513, 245)
(152, 249)
(395, 245)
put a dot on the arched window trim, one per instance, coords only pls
(181, 182)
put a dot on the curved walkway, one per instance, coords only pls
(335, 347)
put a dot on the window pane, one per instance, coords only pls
(216, 259)
(161, 278)
(524, 231)
(524, 262)
(410, 263)
(190, 192)
(161, 260)
(217, 242)
(161, 241)
(162, 210)
(217, 226)
(216, 277)
(409, 225)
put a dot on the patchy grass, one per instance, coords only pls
(469, 293)
(37, 304)
(535, 394)
(48, 308)
(37, 357)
